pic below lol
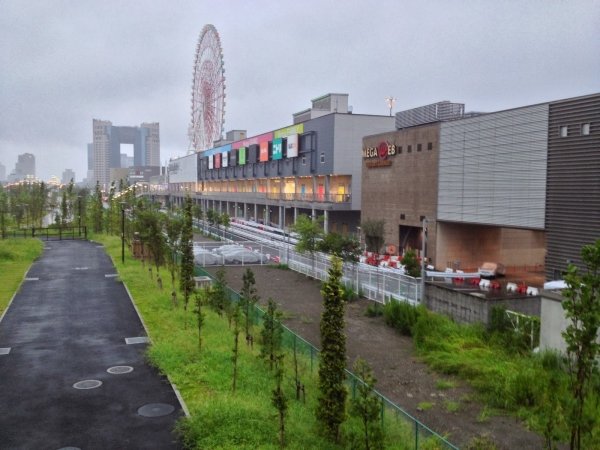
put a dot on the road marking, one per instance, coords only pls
(5, 350)
(32, 279)
(137, 340)
(111, 275)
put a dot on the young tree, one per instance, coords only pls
(186, 282)
(97, 209)
(271, 333)
(366, 406)
(411, 264)
(310, 232)
(582, 308)
(224, 220)
(279, 400)
(173, 227)
(64, 208)
(332, 392)
(218, 298)
(149, 226)
(199, 298)
(236, 316)
(374, 231)
(249, 298)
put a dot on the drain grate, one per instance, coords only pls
(87, 384)
(5, 350)
(137, 340)
(156, 410)
(118, 370)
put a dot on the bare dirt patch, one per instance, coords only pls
(452, 409)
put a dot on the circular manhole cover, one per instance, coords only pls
(118, 370)
(87, 384)
(155, 410)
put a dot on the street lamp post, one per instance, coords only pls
(123, 232)
(79, 208)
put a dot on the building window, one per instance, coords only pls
(564, 131)
(430, 146)
(322, 157)
(419, 147)
(402, 217)
(303, 160)
(585, 129)
(400, 149)
(409, 149)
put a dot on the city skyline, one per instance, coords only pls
(63, 70)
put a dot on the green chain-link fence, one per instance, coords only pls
(412, 430)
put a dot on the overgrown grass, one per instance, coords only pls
(533, 387)
(16, 255)
(221, 419)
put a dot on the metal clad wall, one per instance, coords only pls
(184, 169)
(573, 198)
(493, 168)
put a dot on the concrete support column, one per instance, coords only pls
(295, 214)
(256, 212)
(327, 184)
(281, 217)
(326, 221)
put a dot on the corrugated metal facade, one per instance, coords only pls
(492, 168)
(573, 193)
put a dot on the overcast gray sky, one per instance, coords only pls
(63, 63)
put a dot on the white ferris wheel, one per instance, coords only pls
(208, 91)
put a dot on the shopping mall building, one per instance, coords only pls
(311, 167)
(520, 186)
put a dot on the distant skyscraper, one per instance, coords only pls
(67, 176)
(106, 147)
(25, 166)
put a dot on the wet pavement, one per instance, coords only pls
(67, 376)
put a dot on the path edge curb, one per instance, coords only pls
(177, 393)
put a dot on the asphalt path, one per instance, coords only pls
(68, 323)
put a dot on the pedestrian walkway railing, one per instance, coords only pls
(47, 233)
(414, 434)
(375, 283)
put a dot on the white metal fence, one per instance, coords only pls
(375, 283)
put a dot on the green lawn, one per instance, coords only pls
(16, 256)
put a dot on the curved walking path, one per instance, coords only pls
(69, 323)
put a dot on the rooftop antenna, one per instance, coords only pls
(391, 101)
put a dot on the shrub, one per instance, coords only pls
(401, 315)
(374, 310)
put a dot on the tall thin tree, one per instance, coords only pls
(249, 298)
(331, 410)
(271, 333)
(187, 253)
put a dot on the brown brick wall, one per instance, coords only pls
(408, 186)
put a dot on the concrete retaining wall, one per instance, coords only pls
(471, 307)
